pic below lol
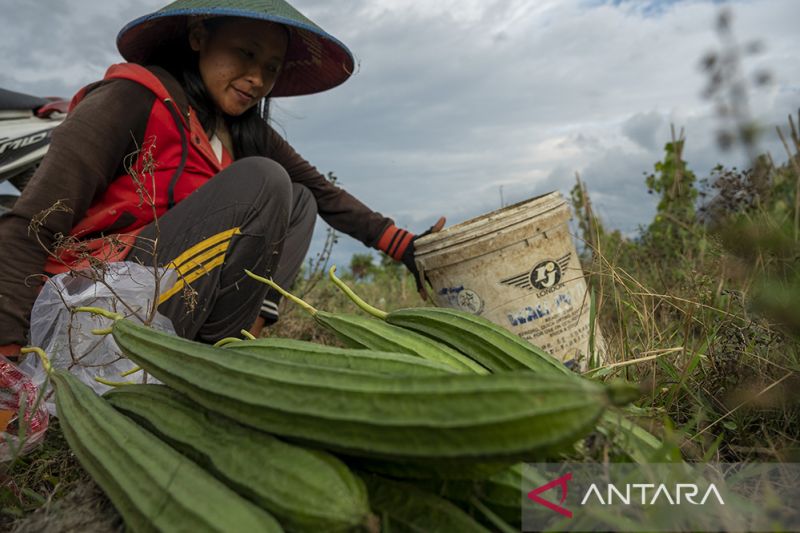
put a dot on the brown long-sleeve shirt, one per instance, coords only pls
(86, 153)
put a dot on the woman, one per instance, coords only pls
(169, 160)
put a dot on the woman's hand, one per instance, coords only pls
(408, 256)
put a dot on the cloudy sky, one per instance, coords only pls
(455, 101)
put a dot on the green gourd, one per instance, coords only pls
(153, 486)
(359, 360)
(406, 508)
(455, 417)
(279, 477)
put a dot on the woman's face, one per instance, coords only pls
(239, 61)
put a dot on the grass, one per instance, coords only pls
(48, 490)
(705, 284)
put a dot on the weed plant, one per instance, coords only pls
(707, 296)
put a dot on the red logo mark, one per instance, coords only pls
(560, 482)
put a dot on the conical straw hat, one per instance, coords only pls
(315, 60)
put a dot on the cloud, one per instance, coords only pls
(455, 99)
(461, 113)
(642, 128)
(615, 182)
(54, 47)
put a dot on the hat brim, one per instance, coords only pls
(315, 60)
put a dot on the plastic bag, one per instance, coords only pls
(18, 395)
(126, 288)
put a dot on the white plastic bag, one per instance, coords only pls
(126, 288)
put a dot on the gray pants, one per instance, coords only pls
(249, 216)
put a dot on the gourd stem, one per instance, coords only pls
(103, 331)
(374, 311)
(307, 307)
(226, 340)
(246, 334)
(43, 356)
(99, 311)
(131, 371)
(113, 383)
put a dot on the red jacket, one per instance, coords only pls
(175, 159)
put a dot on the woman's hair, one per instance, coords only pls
(248, 131)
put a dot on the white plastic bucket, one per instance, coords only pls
(519, 268)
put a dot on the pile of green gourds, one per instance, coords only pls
(421, 424)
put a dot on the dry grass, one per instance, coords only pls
(49, 491)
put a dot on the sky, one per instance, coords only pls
(459, 105)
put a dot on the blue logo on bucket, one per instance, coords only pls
(461, 298)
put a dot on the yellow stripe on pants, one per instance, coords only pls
(199, 260)
(199, 247)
